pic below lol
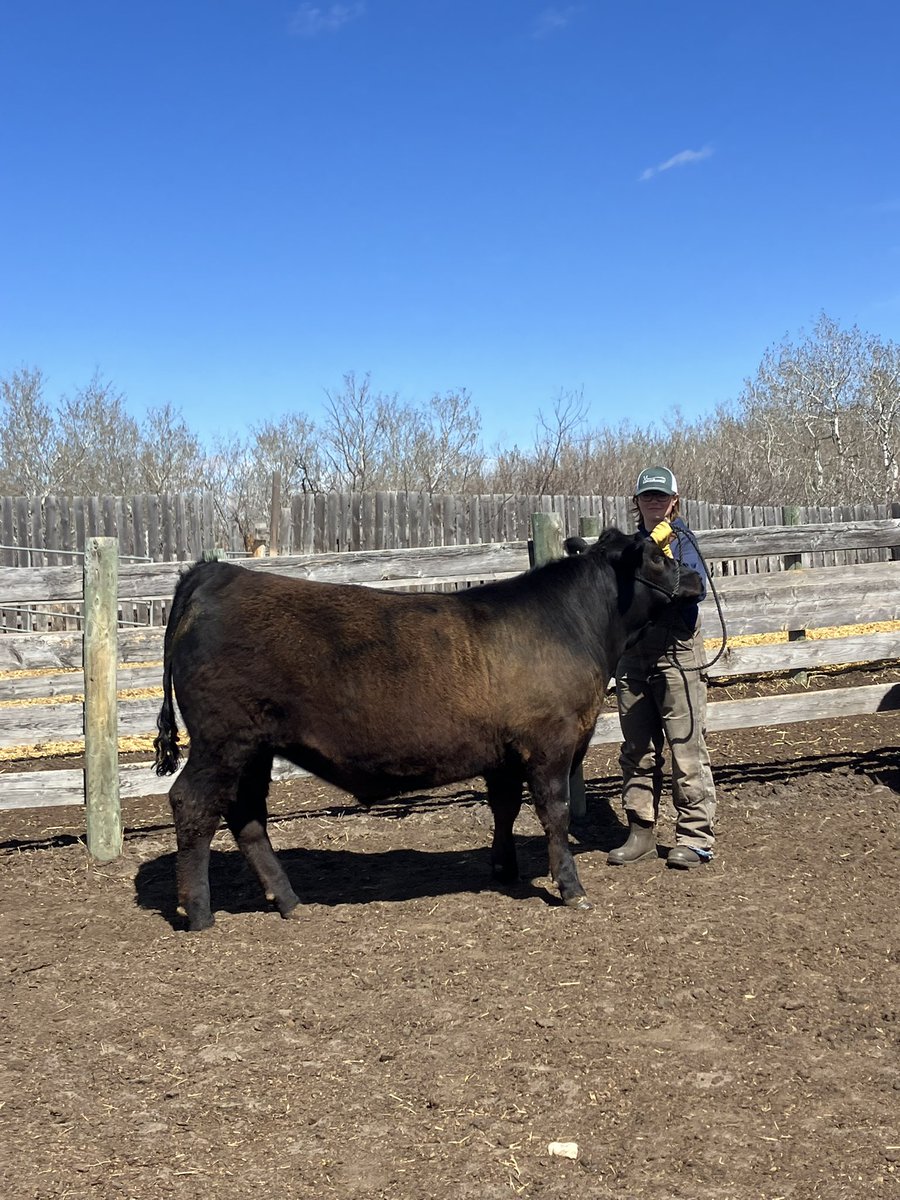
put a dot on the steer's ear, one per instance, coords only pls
(575, 545)
(623, 551)
(631, 557)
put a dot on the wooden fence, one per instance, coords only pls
(178, 527)
(792, 600)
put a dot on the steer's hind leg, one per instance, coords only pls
(549, 785)
(197, 801)
(247, 816)
(505, 799)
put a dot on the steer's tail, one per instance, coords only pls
(165, 744)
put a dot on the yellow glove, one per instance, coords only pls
(663, 534)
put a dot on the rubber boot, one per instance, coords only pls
(641, 844)
(683, 858)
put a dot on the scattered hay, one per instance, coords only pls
(829, 631)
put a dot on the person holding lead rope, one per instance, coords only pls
(661, 694)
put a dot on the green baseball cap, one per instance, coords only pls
(656, 479)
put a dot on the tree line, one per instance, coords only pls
(819, 423)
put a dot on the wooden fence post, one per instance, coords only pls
(546, 533)
(101, 746)
(275, 515)
(547, 537)
(589, 527)
(790, 515)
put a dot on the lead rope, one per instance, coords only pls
(689, 537)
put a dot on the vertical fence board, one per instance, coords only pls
(113, 516)
(435, 525)
(402, 531)
(139, 526)
(51, 532)
(208, 510)
(379, 515)
(332, 524)
(180, 529)
(101, 760)
(22, 536)
(154, 545)
(321, 526)
(196, 543)
(8, 554)
(167, 527)
(36, 531)
(92, 522)
(299, 525)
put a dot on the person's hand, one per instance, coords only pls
(663, 534)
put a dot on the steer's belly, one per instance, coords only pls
(381, 772)
(395, 762)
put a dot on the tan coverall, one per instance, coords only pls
(661, 700)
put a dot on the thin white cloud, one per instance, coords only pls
(553, 20)
(682, 159)
(311, 20)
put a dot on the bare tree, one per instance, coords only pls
(233, 477)
(241, 470)
(99, 440)
(30, 452)
(169, 454)
(810, 414)
(290, 446)
(356, 434)
(536, 470)
(881, 416)
(446, 450)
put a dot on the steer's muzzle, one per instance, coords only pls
(690, 585)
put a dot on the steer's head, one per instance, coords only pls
(648, 581)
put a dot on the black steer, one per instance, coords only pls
(382, 693)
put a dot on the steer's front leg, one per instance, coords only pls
(550, 792)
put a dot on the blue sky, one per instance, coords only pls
(229, 204)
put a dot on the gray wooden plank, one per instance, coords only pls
(33, 651)
(25, 686)
(54, 788)
(779, 710)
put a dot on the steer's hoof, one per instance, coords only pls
(580, 902)
(198, 924)
(293, 914)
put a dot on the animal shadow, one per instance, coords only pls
(342, 876)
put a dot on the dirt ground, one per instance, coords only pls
(730, 1032)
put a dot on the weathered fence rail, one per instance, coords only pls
(813, 597)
